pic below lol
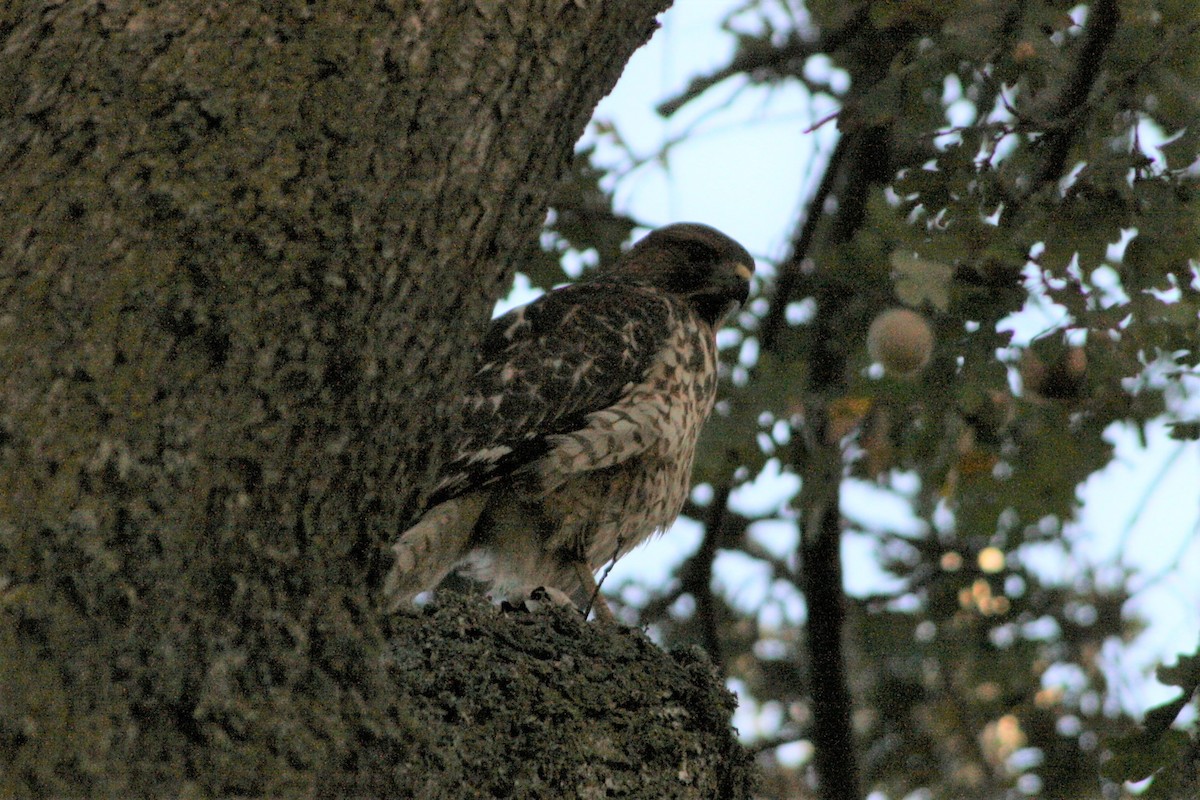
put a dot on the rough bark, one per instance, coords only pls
(546, 705)
(247, 249)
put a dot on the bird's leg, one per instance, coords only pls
(596, 600)
(430, 549)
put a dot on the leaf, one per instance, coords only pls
(1184, 674)
(1137, 756)
(1084, 223)
(1181, 152)
(845, 414)
(920, 280)
(1159, 718)
(583, 214)
(1185, 431)
(877, 104)
(927, 187)
(1157, 746)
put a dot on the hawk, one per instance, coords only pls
(580, 424)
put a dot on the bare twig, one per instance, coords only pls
(822, 122)
(791, 270)
(788, 737)
(754, 57)
(612, 562)
(762, 60)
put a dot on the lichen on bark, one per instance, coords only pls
(543, 704)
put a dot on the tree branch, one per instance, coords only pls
(1103, 18)
(761, 60)
(731, 532)
(758, 58)
(697, 577)
(834, 757)
(791, 271)
(787, 737)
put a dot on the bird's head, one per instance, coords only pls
(695, 262)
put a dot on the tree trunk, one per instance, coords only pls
(248, 247)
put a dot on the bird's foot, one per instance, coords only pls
(536, 599)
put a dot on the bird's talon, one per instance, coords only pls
(536, 599)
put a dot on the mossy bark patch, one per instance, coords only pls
(547, 705)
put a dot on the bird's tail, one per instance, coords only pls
(427, 551)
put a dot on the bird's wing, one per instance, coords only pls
(558, 374)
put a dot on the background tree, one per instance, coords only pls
(988, 155)
(247, 248)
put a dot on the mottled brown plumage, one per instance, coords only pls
(580, 425)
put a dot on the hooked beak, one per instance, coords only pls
(744, 272)
(719, 301)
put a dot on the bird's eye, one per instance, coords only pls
(699, 252)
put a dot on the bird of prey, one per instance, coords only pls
(579, 427)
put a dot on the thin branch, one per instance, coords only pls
(790, 736)
(762, 60)
(660, 607)
(791, 270)
(697, 578)
(733, 526)
(1144, 502)
(822, 122)
(756, 58)
(780, 569)
(612, 562)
